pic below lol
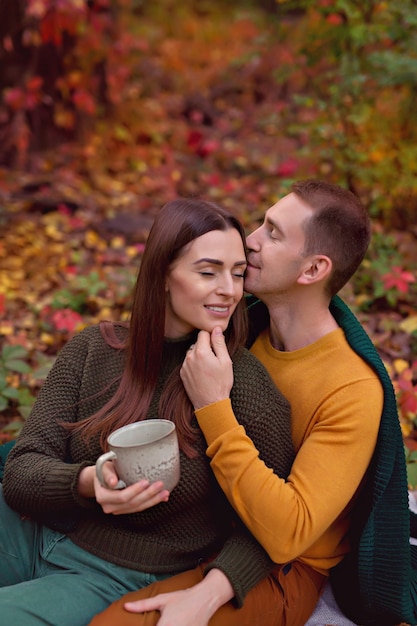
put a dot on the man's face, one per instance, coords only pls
(275, 258)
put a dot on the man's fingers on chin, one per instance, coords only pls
(203, 338)
(219, 348)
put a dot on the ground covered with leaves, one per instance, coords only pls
(226, 103)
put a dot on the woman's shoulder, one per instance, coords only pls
(98, 332)
(245, 360)
(87, 353)
(251, 377)
(93, 339)
(89, 335)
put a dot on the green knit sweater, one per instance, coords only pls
(42, 469)
(376, 584)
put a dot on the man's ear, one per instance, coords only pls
(316, 269)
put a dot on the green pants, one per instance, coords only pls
(46, 580)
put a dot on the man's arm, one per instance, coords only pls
(288, 517)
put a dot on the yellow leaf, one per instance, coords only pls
(131, 252)
(74, 78)
(31, 297)
(92, 240)
(17, 276)
(106, 313)
(361, 299)
(140, 166)
(176, 175)
(5, 282)
(64, 118)
(53, 232)
(117, 243)
(389, 368)
(406, 428)
(241, 161)
(6, 328)
(400, 365)
(47, 339)
(409, 324)
(13, 263)
(376, 156)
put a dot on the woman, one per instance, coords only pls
(77, 546)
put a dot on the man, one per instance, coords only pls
(309, 246)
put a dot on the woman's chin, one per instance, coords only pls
(220, 324)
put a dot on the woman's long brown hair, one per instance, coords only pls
(178, 223)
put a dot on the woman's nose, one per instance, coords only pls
(226, 285)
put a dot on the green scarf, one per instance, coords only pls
(376, 584)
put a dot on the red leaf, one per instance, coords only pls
(84, 101)
(66, 320)
(49, 29)
(408, 403)
(194, 139)
(334, 19)
(15, 98)
(207, 147)
(34, 83)
(287, 168)
(398, 279)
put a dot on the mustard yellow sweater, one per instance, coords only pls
(336, 401)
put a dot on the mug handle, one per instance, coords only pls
(107, 456)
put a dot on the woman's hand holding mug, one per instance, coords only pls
(140, 469)
(133, 499)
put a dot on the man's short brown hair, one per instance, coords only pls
(340, 228)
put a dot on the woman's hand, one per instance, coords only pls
(189, 607)
(133, 499)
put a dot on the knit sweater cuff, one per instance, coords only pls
(216, 418)
(244, 563)
(61, 488)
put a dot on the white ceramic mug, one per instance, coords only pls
(144, 450)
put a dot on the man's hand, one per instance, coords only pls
(189, 607)
(207, 372)
(177, 607)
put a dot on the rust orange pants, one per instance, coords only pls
(282, 599)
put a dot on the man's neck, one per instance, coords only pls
(296, 326)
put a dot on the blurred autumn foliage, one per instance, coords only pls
(108, 108)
